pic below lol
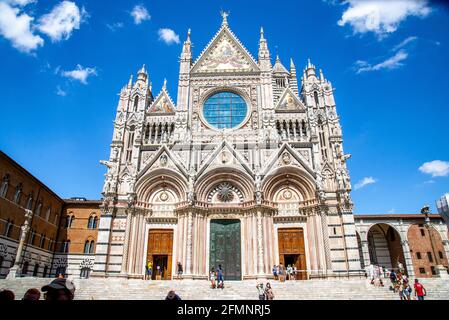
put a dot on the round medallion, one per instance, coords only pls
(287, 194)
(163, 196)
(286, 158)
(225, 193)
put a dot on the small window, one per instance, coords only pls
(44, 273)
(25, 268)
(429, 256)
(8, 228)
(38, 209)
(42, 242)
(87, 246)
(422, 232)
(4, 187)
(136, 102)
(85, 272)
(18, 194)
(91, 248)
(92, 222)
(433, 270)
(440, 254)
(418, 255)
(422, 270)
(35, 270)
(50, 245)
(335, 230)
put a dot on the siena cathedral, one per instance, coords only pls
(245, 170)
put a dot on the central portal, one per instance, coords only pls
(225, 248)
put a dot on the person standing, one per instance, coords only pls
(180, 270)
(220, 277)
(275, 272)
(281, 272)
(269, 295)
(149, 270)
(261, 291)
(420, 291)
(212, 278)
(289, 272)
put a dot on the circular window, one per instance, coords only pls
(225, 110)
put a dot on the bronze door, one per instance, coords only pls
(225, 248)
(292, 250)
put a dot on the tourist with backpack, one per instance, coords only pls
(269, 295)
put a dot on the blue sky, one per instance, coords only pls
(63, 63)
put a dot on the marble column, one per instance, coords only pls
(408, 258)
(189, 244)
(325, 230)
(126, 245)
(259, 243)
(15, 270)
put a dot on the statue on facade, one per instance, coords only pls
(112, 166)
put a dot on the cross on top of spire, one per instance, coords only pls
(224, 15)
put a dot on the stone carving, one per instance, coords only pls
(163, 160)
(286, 158)
(225, 193)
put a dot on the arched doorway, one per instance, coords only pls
(384, 245)
(225, 247)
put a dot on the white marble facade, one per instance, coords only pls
(281, 166)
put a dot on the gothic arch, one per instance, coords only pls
(161, 178)
(288, 175)
(239, 179)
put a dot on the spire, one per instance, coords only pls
(292, 65)
(293, 78)
(164, 87)
(321, 76)
(142, 74)
(264, 53)
(224, 15)
(278, 66)
(188, 36)
(130, 82)
(310, 70)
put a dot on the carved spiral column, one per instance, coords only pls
(14, 271)
(126, 244)
(259, 243)
(189, 243)
(327, 251)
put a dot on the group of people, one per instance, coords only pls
(400, 284)
(149, 270)
(281, 273)
(265, 293)
(58, 289)
(216, 278)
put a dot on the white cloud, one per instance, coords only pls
(60, 92)
(140, 14)
(436, 168)
(62, 20)
(168, 36)
(80, 74)
(114, 26)
(392, 62)
(379, 16)
(16, 27)
(364, 182)
(404, 43)
(392, 211)
(19, 3)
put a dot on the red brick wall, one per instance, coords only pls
(421, 244)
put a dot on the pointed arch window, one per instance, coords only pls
(18, 194)
(65, 246)
(69, 221)
(92, 222)
(136, 103)
(8, 227)
(4, 186)
(30, 201)
(38, 209)
(317, 102)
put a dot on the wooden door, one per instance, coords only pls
(160, 244)
(291, 244)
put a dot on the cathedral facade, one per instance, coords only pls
(246, 170)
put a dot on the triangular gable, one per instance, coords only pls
(224, 155)
(170, 162)
(278, 156)
(289, 102)
(225, 53)
(163, 104)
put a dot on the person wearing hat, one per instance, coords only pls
(59, 289)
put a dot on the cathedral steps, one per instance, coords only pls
(120, 289)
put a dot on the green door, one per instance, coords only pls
(225, 248)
